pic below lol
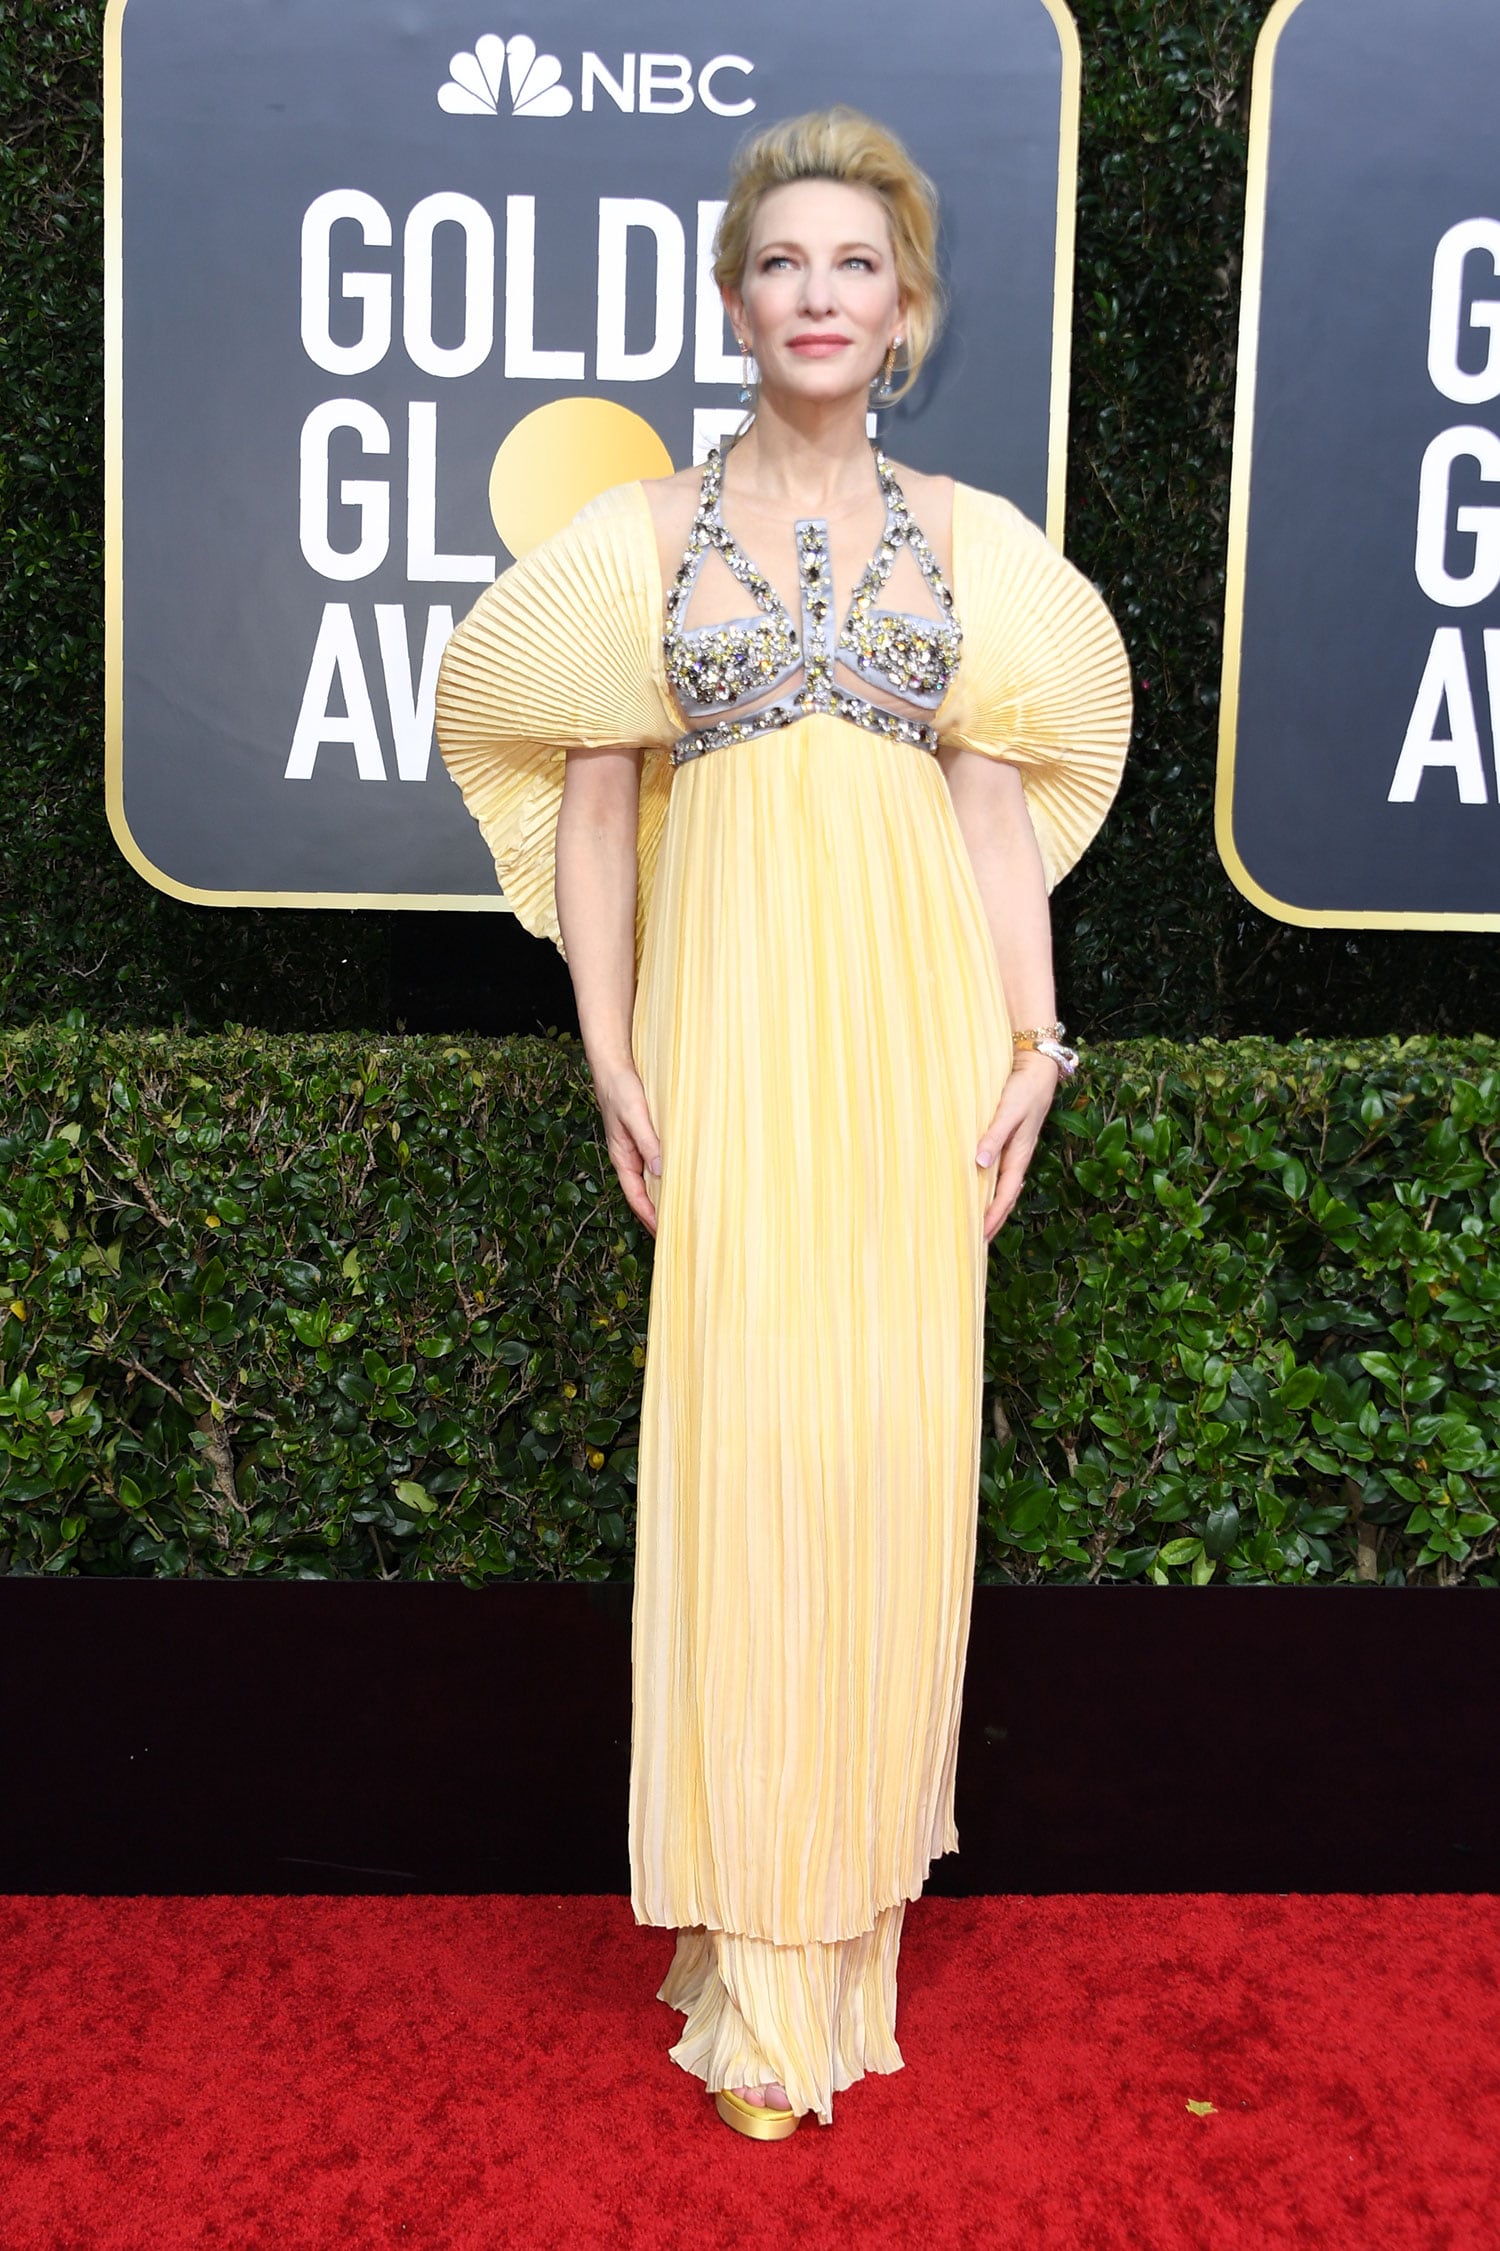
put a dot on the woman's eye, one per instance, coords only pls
(776, 258)
(856, 260)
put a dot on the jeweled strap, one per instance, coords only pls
(876, 720)
(815, 581)
(723, 732)
(710, 530)
(840, 705)
(700, 539)
(902, 529)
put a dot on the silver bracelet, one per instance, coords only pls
(1046, 1039)
(1066, 1058)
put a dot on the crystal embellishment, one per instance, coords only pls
(918, 657)
(713, 667)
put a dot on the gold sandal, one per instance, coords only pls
(753, 2118)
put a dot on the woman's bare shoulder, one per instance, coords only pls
(673, 502)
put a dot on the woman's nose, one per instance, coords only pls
(817, 291)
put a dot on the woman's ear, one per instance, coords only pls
(734, 306)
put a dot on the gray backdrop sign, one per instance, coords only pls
(357, 253)
(1359, 768)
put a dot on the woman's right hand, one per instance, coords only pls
(634, 1150)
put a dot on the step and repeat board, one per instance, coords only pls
(1359, 756)
(394, 288)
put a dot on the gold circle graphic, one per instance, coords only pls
(562, 455)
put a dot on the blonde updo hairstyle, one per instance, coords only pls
(843, 144)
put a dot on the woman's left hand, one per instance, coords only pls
(1013, 1132)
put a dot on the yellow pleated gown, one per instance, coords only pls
(822, 1037)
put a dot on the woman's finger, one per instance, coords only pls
(628, 1112)
(634, 1149)
(635, 1118)
(630, 1172)
(1009, 1180)
(1012, 1136)
(637, 1198)
(641, 1204)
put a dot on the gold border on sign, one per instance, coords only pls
(114, 607)
(1326, 918)
(1062, 268)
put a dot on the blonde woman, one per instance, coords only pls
(785, 753)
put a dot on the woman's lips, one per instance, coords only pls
(818, 347)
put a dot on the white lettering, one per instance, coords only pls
(1470, 238)
(372, 289)
(710, 72)
(666, 84)
(411, 713)
(617, 216)
(712, 362)
(478, 229)
(371, 496)
(621, 90)
(423, 562)
(1457, 591)
(1445, 680)
(522, 359)
(336, 658)
(1492, 686)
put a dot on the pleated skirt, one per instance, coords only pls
(822, 1037)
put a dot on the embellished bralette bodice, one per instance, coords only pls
(713, 669)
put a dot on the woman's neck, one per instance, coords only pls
(806, 457)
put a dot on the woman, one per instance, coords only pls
(785, 753)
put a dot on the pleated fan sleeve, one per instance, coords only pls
(1045, 680)
(562, 652)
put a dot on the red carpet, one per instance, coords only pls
(468, 2072)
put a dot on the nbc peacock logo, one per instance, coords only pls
(505, 69)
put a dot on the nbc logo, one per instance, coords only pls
(532, 80)
(508, 74)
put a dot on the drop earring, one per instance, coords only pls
(745, 388)
(885, 393)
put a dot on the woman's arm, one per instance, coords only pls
(596, 885)
(996, 827)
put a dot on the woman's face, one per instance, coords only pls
(818, 302)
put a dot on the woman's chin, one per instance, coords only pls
(817, 385)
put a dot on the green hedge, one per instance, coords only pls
(1152, 937)
(345, 1309)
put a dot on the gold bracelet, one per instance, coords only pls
(1046, 1039)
